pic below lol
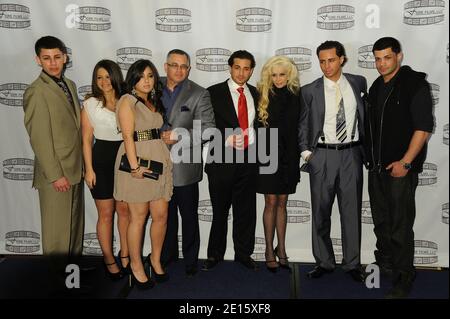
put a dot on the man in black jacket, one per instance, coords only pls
(400, 122)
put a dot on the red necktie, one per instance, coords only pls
(243, 115)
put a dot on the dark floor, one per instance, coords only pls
(27, 277)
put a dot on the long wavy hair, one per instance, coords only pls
(134, 75)
(265, 84)
(115, 75)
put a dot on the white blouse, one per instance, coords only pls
(102, 120)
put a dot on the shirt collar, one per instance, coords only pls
(54, 78)
(342, 81)
(234, 86)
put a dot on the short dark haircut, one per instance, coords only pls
(242, 54)
(340, 50)
(386, 43)
(179, 52)
(115, 75)
(49, 42)
(134, 75)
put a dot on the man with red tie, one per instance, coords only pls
(232, 183)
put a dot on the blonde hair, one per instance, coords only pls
(265, 84)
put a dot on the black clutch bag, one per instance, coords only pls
(155, 166)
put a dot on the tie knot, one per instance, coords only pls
(240, 90)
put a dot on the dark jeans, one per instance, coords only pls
(392, 203)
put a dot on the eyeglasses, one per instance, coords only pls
(175, 66)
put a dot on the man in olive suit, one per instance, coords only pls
(52, 120)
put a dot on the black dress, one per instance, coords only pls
(284, 112)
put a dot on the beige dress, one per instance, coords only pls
(135, 190)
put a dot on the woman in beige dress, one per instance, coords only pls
(140, 115)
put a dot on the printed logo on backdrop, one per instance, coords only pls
(180, 246)
(173, 20)
(14, 16)
(88, 18)
(11, 94)
(298, 211)
(205, 211)
(366, 60)
(425, 252)
(337, 247)
(254, 20)
(260, 249)
(212, 59)
(336, 17)
(128, 55)
(300, 55)
(69, 57)
(445, 213)
(18, 169)
(447, 53)
(83, 91)
(423, 12)
(366, 213)
(435, 90)
(445, 135)
(91, 245)
(22, 241)
(429, 174)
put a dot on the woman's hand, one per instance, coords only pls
(90, 179)
(139, 172)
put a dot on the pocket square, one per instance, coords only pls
(184, 108)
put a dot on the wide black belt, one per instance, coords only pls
(145, 135)
(338, 146)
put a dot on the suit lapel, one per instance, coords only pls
(59, 92)
(227, 107)
(320, 96)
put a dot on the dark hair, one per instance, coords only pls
(49, 42)
(242, 54)
(134, 75)
(340, 50)
(385, 43)
(180, 52)
(115, 75)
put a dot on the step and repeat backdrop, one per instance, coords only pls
(210, 30)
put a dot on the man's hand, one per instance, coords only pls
(61, 184)
(236, 141)
(169, 137)
(397, 169)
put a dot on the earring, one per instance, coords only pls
(133, 91)
(152, 94)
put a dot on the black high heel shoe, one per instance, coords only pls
(274, 260)
(114, 276)
(125, 269)
(284, 265)
(132, 281)
(159, 278)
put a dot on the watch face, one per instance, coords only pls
(407, 165)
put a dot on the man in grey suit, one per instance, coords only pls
(331, 129)
(185, 102)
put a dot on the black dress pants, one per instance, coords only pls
(392, 203)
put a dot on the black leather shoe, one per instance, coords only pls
(385, 270)
(210, 263)
(248, 262)
(400, 290)
(318, 272)
(191, 271)
(357, 275)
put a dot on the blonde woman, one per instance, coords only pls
(279, 108)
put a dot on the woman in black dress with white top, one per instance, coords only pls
(279, 108)
(98, 119)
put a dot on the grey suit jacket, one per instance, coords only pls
(312, 115)
(192, 103)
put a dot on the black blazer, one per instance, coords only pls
(225, 115)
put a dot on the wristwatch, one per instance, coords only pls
(406, 165)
